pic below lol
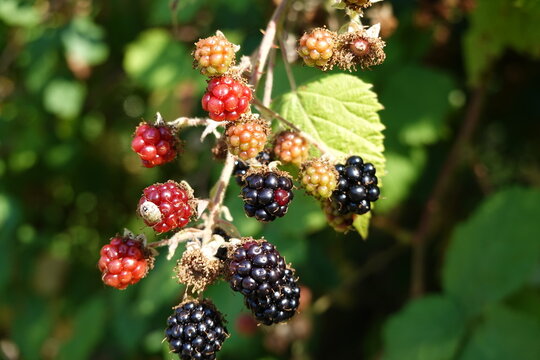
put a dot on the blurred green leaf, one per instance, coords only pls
(155, 60)
(88, 329)
(416, 104)
(84, 42)
(505, 334)
(64, 98)
(32, 325)
(495, 251)
(339, 111)
(497, 25)
(426, 329)
(14, 13)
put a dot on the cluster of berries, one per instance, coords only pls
(259, 272)
(357, 46)
(252, 267)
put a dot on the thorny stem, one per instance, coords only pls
(288, 71)
(214, 207)
(271, 113)
(267, 43)
(269, 82)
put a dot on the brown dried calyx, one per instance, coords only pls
(197, 270)
(359, 48)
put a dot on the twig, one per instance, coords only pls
(269, 82)
(267, 43)
(214, 207)
(288, 70)
(419, 239)
(185, 121)
(269, 112)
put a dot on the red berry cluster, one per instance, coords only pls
(123, 262)
(166, 207)
(155, 145)
(226, 98)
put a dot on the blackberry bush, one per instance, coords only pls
(267, 195)
(332, 114)
(357, 186)
(196, 330)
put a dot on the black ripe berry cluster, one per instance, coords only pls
(241, 168)
(259, 272)
(356, 188)
(195, 331)
(267, 195)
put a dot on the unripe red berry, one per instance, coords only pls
(155, 145)
(213, 55)
(291, 147)
(226, 98)
(247, 137)
(166, 206)
(124, 261)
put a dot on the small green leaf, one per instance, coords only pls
(64, 98)
(427, 329)
(339, 111)
(497, 25)
(361, 224)
(505, 334)
(496, 250)
(84, 42)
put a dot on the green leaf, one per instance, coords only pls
(84, 42)
(505, 334)
(88, 329)
(416, 100)
(496, 250)
(339, 111)
(156, 61)
(497, 25)
(426, 329)
(31, 327)
(64, 98)
(361, 224)
(12, 12)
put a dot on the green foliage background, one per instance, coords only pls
(77, 76)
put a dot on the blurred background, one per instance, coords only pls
(450, 269)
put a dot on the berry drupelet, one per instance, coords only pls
(196, 331)
(356, 188)
(267, 195)
(155, 145)
(226, 98)
(124, 261)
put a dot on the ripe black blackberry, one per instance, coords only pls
(280, 305)
(255, 267)
(196, 330)
(241, 167)
(267, 195)
(356, 188)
